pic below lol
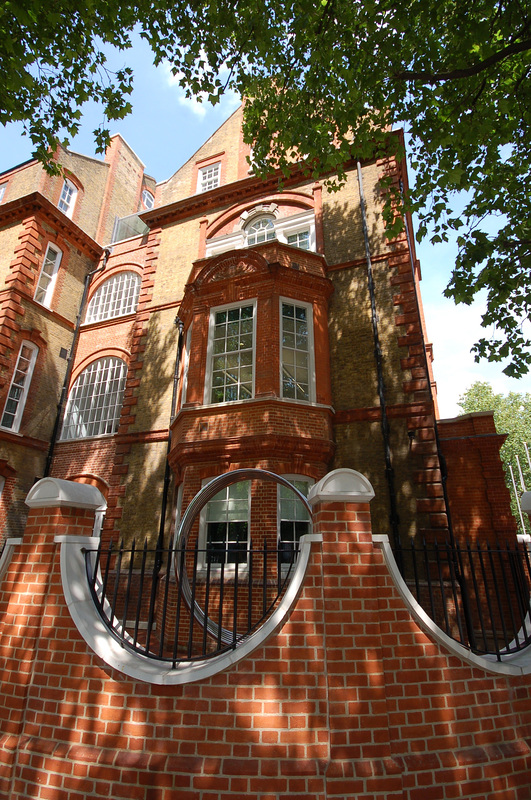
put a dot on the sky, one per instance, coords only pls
(165, 129)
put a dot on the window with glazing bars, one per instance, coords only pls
(208, 177)
(261, 230)
(301, 239)
(115, 297)
(95, 401)
(68, 198)
(295, 352)
(232, 355)
(227, 525)
(294, 519)
(20, 383)
(46, 282)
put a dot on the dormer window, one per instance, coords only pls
(261, 229)
(68, 198)
(208, 177)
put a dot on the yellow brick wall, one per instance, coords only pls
(22, 181)
(8, 241)
(178, 250)
(125, 188)
(144, 482)
(225, 140)
(156, 385)
(28, 464)
(92, 174)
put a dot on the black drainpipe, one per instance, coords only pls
(70, 362)
(167, 471)
(389, 471)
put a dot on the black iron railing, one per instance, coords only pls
(186, 604)
(479, 595)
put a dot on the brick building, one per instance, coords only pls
(155, 337)
(354, 388)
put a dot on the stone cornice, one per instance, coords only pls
(36, 203)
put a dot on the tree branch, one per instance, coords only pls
(466, 72)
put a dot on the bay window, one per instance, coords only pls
(295, 351)
(293, 518)
(225, 526)
(230, 375)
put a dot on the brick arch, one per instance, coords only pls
(111, 272)
(108, 352)
(92, 480)
(297, 199)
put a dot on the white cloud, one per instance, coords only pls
(199, 105)
(453, 330)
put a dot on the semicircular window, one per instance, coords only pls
(114, 298)
(95, 401)
(261, 229)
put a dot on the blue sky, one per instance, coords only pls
(165, 129)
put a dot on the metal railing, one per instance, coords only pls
(478, 595)
(186, 604)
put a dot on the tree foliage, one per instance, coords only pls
(328, 79)
(512, 416)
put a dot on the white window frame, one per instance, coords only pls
(295, 235)
(116, 297)
(148, 199)
(208, 177)
(266, 233)
(284, 227)
(95, 400)
(311, 359)
(211, 355)
(68, 197)
(3, 187)
(295, 479)
(186, 365)
(19, 386)
(228, 567)
(48, 275)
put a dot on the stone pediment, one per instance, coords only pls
(228, 266)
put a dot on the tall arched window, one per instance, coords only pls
(95, 401)
(115, 297)
(261, 229)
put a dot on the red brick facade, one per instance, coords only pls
(350, 699)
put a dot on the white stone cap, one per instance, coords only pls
(49, 492)
(525, 502)
(341, 486)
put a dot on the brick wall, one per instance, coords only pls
(480, 502)
(350, 699)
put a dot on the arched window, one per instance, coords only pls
(148, 201)
(95, 401)
(115, 297)
(261, 229)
